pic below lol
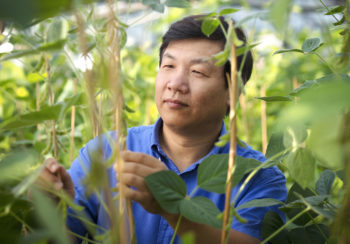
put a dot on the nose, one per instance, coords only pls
(178, 82)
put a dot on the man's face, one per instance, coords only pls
(190, 89)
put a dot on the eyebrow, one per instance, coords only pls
(193, 61)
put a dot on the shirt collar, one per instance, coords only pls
(155, 144)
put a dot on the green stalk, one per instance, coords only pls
(318, 227)
(232, 86)
(285, 225)
(325, 6)
(327, 64)
(251, 174)
(176, 229)
(21, 221)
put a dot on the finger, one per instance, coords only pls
(52, 165)
(65, 177)
(134, 181)
(133, 194)
(142, 158)
(47, 179)
(137, 169)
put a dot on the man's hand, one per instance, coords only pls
(136, 167)
(54, 177)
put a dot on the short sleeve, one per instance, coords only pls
(267, 183)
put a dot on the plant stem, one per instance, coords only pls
(72, 126)
(263, 119)
(325, 6)
(96, 128)
(232, 85)
(37, 91)
(318, 227)
(327, 64)
(251, 174)
(21, 221)
(176, 229)
(193, 191)
(125, 208)
(82, 237)
(243, 104)
(51, 101)
(285, 225)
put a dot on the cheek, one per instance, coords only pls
(158, 88)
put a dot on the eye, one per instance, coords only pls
(168, 66)
(199, 73)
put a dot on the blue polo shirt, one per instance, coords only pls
(152, 228)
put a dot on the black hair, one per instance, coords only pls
(190, 27)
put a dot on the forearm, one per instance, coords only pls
(207, 234)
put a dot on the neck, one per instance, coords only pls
(185, 148)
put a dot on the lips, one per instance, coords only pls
(175, 103)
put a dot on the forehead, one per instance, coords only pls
(193, 48)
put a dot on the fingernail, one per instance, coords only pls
(54, 167)
(58, 185)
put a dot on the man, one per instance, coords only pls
(192, 99)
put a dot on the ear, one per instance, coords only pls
(228, 98)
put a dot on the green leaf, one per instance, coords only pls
(48, 47)
(326, 146)
(257, 203)
(200, 210)
(168, 189)
(188, 238)
(301, 166)
(35, 77)
(27, 182)
(311, 45)
(275, 145)
(122, 37)
(29, 12)
(275, 98)
(294, 198)
(33, 118)
(177, 3)
(10, 229)
(47, 212)
(58, 30)
(243, 166)
(159, 7)
(227, 11)
(327, 100)
(244, 49)
(209, 25)
(223, 140)
(279, 13)
(212, 173)
(288, 51)
(315, 203)
(17, 164)
(309, 234)
(296, 188)
(306, 85)
(294, 136)
(54, 112)
(325, 182)
(340, 22)
(221, 57)
(272, 222)
(336, 10)
(37, 236)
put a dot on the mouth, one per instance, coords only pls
(174, 103)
